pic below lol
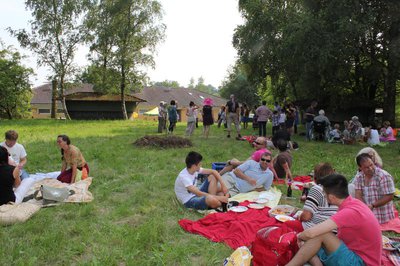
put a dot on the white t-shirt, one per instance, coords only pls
(17, 151)
(184, 180)
(374, 137)
(282, 118)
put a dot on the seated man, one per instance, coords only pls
(16, 151)
(259, 145)
(212, 192)
(358, 241)
(249, 176)
(321, 126)
(374, 187)
(283, 161)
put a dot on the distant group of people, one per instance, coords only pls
(15, 180)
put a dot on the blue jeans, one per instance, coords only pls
(199, 203)
(23, 174)
(343, 256)
(308, 130)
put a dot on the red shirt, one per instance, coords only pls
(359, 230)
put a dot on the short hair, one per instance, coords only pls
(375, 158)
(191, 103)
(336, 185)
(3, 156)
(321, 170)
(193, 158)
(362, 158)
(266, 154)
(264, 102)
(281, 144)
(11, 135)
(321, 112)
(263, 140)
(172, 102)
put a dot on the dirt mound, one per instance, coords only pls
(163, 142)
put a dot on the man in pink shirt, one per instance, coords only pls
(358, 240)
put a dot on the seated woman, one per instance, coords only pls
(9, 178)
(72, 158)
(387, 133)
(316, 208)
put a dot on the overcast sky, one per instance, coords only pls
(198, 40)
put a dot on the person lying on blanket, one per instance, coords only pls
(316, 207)
(249, 176)
(358, 241)
(72, 158)
(259, 145)
(211, 194)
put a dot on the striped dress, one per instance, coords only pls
(318, 205)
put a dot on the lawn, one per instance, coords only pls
(133, 218)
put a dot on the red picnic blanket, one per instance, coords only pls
(234, 229)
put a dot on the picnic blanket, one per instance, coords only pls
(234, 229)
(274, 196)
(298, 182)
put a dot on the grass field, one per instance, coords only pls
(133, 218)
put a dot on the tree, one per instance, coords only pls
(56, 32)
(167, 83)
(127, 33)
(15, 89)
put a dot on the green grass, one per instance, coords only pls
(133, 218)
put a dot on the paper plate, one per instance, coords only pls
(284, 218)
(261, 201)
(256, 206)
(238, 209)
(386, 243)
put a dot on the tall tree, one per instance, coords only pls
(127, 33)
(15, 89)
(56, 31)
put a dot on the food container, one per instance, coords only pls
(281, 210)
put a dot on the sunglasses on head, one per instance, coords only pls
(265, 160)
(258, 143)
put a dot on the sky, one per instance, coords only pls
(198, 40)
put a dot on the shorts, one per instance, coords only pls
(196, 202)
(343, 256)
(230, 184)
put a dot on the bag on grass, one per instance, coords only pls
(274, 245)
(54, 193)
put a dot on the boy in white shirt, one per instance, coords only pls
(209, 195)
(17, 152)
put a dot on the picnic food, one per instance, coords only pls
(281, 210)
(284, 218)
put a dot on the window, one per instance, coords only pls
(201, 97)
(44, 111)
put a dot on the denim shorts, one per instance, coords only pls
(199, 203)
(343, 256)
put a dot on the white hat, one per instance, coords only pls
(321, 112)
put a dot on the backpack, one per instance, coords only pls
(274, 245)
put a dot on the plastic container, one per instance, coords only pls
(218, 166)
(281, 210)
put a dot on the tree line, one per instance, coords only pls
(344, 54)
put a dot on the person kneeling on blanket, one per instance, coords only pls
(250, 175)
(358, 241)
(211, 194)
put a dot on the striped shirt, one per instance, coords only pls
(317, 204)
(380, 185)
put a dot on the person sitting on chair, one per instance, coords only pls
(321, 125)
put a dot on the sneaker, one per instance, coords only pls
(228, 136)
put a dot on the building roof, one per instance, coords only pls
(82, 92)
(154, 95)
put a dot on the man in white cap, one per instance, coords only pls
(232, 115)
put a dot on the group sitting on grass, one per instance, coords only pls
(15, 181)
(335, 228)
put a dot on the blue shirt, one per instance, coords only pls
(253, 169)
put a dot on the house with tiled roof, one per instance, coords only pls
(82, 103)
(183, 96)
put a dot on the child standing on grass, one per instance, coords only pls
(211, 194)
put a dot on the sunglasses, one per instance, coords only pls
(265, 160)
(257, 143)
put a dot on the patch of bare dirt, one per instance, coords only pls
(163, 142)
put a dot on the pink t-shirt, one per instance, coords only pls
(359, 230)
(256, 156)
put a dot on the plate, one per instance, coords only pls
(386, 243)
(256, 206)
(238, 209)
(267, 195)
(284, 218)
(261, 201)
